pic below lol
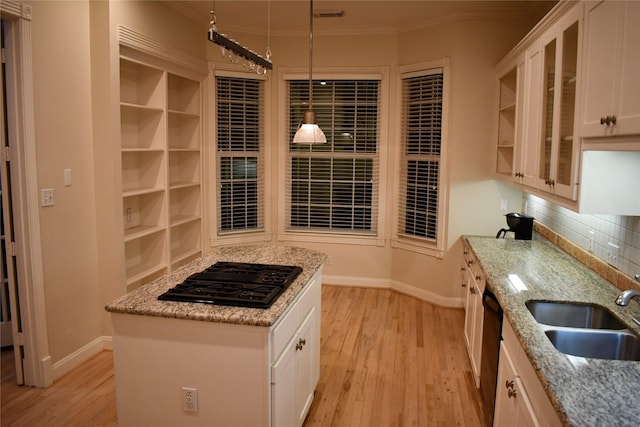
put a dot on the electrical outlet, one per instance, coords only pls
(592, 240)
(504, 205)
(189, 399)
(613, 254)
(329, 260)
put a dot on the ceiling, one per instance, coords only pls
(291, 17)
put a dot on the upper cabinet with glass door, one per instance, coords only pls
(611, 83)
(559, 146)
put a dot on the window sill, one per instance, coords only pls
(236, 238)
(418, 247)
(341, 238)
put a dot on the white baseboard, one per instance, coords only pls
(361, 282)
(81, 355)
(403, 288)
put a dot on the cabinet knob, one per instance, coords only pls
(473, 290)
(509, 384)
(512, 393)
(464, 285)
(300, 344)
(478, 277)
(609, 120)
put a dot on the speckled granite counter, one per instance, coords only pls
(585, 392)
(144, 300)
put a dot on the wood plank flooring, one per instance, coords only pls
(83, 397)
(387, 359)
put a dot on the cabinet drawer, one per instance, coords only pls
(298, 310)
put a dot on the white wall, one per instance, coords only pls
(62, 96)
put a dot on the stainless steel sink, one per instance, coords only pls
(596, 344)
(573, 315)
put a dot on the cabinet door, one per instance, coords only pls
(478, 322)
(513, 407)
(611, 67)
(532, 115)
(559, 148)
(473, 324)
(305, 385)
(293, 377)
(469, 313)
(283, 393)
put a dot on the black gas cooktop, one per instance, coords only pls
(235, 284)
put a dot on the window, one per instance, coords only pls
(421, 194)
(333, 187)
(239, 155)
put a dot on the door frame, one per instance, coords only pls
(37, 363)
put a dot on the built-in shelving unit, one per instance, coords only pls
(506, 123)
(161, 170)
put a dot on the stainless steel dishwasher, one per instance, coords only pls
(491, 336)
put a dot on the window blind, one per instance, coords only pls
(420, 160)
(333, 187)
(239, 154)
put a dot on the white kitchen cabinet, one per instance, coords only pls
(513, 407)
(520, 397)
(611, 66)
(160, 168)
(474, 312)
(508, 109)
(291, 377)
(530, 141)
(559, 148)
(295, 372)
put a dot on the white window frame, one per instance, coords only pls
(210, 146)
(404, 241)
(376, 238)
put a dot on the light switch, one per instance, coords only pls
(46, 197)
(67, 177)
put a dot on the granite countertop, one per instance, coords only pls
(584, 391)
(144, 300)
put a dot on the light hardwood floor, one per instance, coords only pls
(387, 359)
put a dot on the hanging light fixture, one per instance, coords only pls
(309, 132)
(237, 52)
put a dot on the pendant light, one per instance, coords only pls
(309, 132)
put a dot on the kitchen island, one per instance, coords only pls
(191, 364)
(583, 391)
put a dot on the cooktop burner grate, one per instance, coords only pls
(235, 284)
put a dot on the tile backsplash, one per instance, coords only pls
(581, 229)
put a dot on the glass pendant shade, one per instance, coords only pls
(309, 132)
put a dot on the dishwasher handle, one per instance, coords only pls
(490, 302)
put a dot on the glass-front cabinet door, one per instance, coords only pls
(558, 149)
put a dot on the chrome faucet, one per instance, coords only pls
(624, 298)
